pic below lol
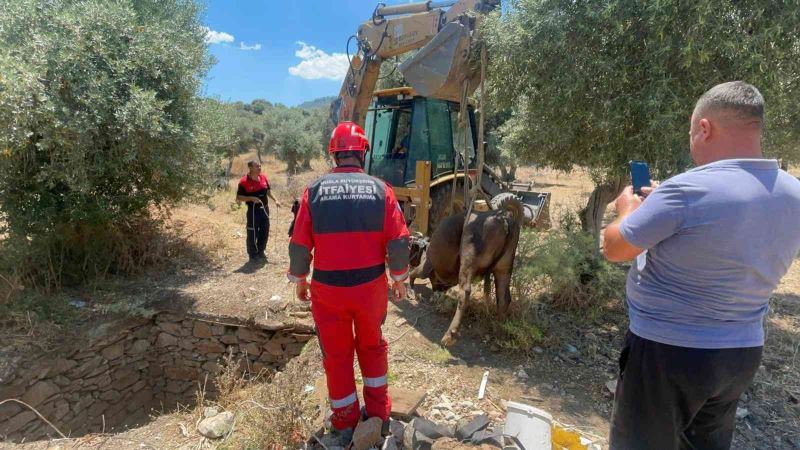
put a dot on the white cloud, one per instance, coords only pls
(245, 47)
(217, 37)
(317, 64)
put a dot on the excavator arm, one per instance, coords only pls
(438, 70)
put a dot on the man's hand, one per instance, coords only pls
(649, 190)
(278, 204)
(301, 291)
(627, 202)
(399, 290)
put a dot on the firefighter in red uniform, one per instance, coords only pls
(353, 225)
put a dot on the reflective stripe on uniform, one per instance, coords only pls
(400, 277)
(295, 279)
(375, 382)
(342, 402)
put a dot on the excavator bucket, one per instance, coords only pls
(439, 69)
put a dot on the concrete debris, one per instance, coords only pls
(397, 428)
(493, 438)
(741, 413)
(467, 428)
(367, 434)
(430, 429)
(390, 443)
(216, 427)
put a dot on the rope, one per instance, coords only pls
(37, 413)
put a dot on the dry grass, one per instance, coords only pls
(270, 409)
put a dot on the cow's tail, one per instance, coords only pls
(512, 206)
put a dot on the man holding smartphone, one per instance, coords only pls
(710, 246)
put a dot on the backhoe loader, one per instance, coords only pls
(420, 141)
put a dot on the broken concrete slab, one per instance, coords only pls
(467, 428)
(430, 429)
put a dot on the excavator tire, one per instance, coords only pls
(440, 203)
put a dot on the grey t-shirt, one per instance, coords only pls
(719, 239)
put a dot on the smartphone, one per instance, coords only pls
(640, 176)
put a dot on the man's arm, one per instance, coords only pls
(397, 246)
(300, 247)
(277, 203)
(643, 223)
(615, 247)
(241, 196)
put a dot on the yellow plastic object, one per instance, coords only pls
(566, 440)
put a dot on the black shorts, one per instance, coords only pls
(671, 397)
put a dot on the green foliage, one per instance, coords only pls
(295, 135)
(517, 334)
(564, 266)
(99, 126)
(599, 83)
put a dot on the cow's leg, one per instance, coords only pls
(424, 270)
(502, 288)
(465, 280)
(487, 286)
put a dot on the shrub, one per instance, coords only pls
(99, 116)
(564, 268)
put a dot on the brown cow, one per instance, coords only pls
(487, 247)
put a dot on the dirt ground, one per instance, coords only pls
(565, 375)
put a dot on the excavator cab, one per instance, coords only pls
(410, 134)
(403, 129)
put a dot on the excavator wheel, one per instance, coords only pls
(440, 203)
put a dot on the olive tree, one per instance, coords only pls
(598, 83)
(99, 117)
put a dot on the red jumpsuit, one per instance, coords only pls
(353, 225)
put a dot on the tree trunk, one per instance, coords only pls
(592, 214)
(291, 163)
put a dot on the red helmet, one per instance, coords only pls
(347, 136)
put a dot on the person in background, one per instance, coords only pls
(710, 247)
(254, 189)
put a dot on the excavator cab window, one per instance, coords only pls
(388, 129)
(402, 132)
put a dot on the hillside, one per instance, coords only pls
(317, 103)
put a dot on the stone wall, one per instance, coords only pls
(121, 372)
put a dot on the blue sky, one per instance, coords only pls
(281, 50)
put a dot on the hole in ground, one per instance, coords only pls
(127, 370)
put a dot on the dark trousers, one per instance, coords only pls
(257, 231)
(672, 397)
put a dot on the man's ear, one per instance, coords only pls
(706, 128)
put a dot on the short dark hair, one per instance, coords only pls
(740, 99)
(252, 163)
(357, 154)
